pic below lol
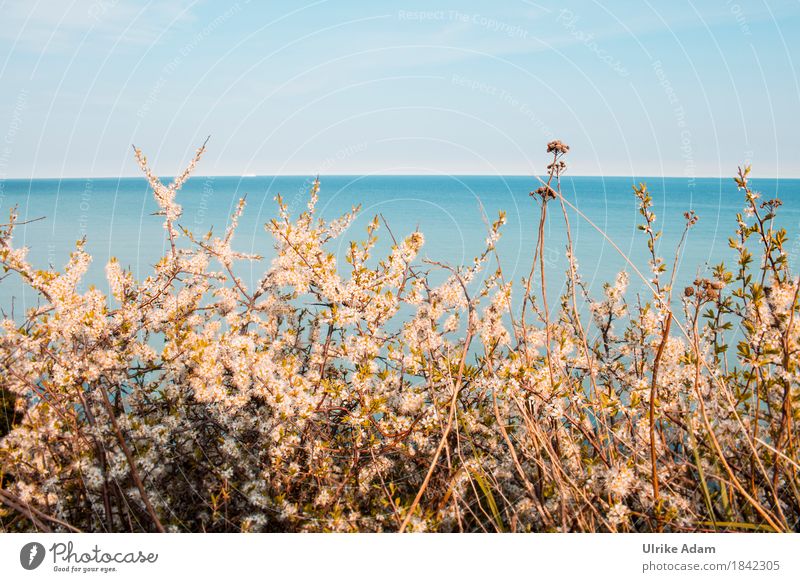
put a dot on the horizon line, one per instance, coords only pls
(439, 175)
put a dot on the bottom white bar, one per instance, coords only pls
(388, 557)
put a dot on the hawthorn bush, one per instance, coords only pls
(367, 397)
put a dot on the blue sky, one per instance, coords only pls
(339, 87)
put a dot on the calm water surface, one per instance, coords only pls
(116, 217)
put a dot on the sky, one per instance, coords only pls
(436, 87)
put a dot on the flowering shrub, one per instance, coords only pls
(365, 397)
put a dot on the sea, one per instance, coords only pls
(116, 216)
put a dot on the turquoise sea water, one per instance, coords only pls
(115, 216)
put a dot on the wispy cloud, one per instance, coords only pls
(53, 26)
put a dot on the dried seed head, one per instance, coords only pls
(706, 289)
(557, 146)
(545, 192)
